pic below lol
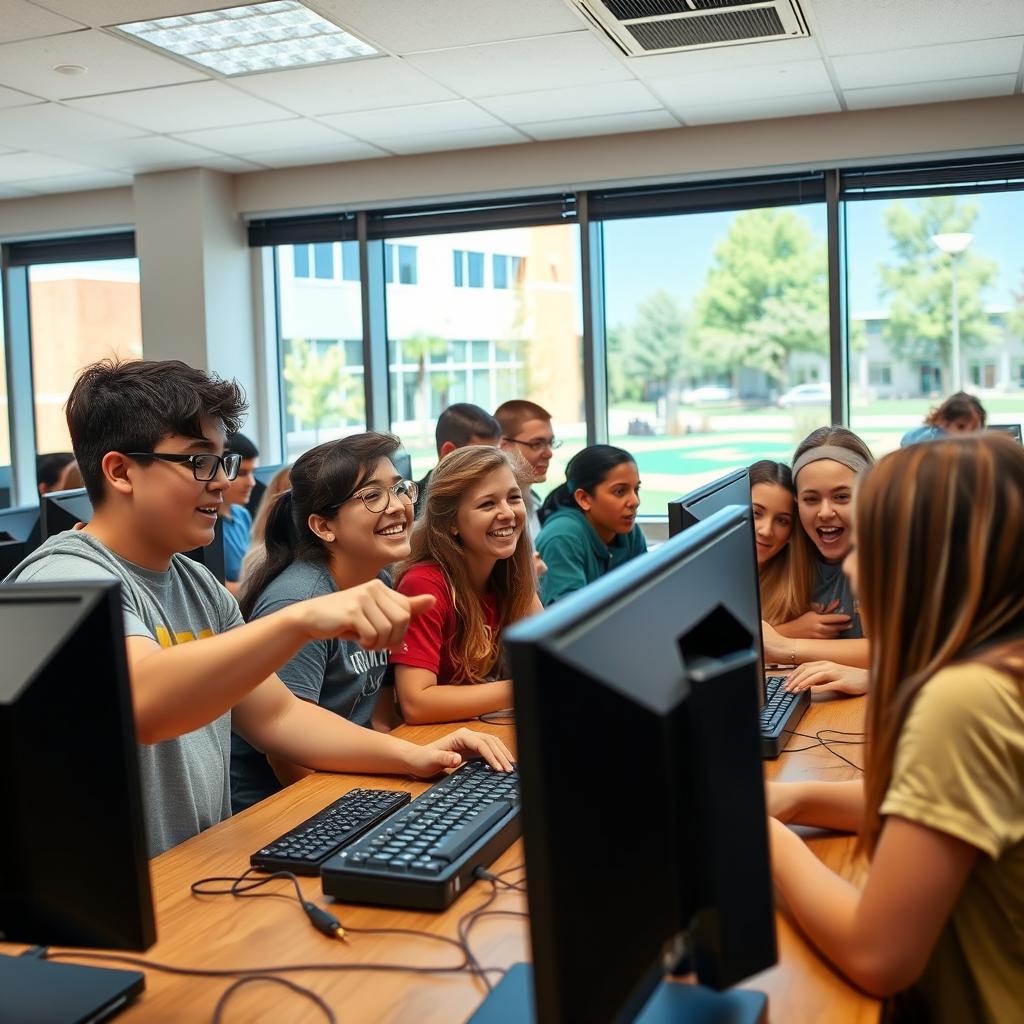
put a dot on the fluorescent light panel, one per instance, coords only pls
(257, 37)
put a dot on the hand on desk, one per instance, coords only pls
(451, 750)
(828, 677)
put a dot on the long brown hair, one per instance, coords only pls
(475, 652)
(940, 565)
(804, 555)
(780, 597)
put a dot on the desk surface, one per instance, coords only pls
(222, 932)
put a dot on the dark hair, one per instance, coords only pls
(767, 471)
(586, 469)
(50, 466)
(959, 406)
(123, 406)
(462, 422)
(322, 480)
(240, 444)
(513, 414)
(780, 593)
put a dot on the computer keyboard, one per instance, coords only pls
(424, 856)
(781, 712)
(304, 848)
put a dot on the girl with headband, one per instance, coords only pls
(828, 637)
(937, 920)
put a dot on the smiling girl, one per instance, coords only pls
(471, 552)
(825, 467)
(771, 494)
(589, 522)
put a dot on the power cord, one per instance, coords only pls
(218, 1010)
(829, 744)
(506, 716)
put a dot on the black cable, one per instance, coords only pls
(218, 1010)
(506, 716)
(829, 745)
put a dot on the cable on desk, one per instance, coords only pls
(829, 744)
(506, 716)
(218, 1010)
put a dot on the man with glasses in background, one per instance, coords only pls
(526, 429)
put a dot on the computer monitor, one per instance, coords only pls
(1013, 429)
(657, 860)
(73, 863)
(402, 461)
(263, 475)
(61, 510)
(731, 489)
(19, 535)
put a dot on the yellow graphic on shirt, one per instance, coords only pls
(163, 636)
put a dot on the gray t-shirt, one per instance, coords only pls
(336, 674)
(185, 780)
(833, 595)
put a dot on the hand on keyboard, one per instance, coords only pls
(451, 750)
(828, 677)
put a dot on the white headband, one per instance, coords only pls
(833, 452)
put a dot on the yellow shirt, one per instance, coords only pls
(959, 769)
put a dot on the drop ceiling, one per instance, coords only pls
(453, 74)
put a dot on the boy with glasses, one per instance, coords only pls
(526, 429)
(150, 438)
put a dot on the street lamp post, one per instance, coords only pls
(954, 243)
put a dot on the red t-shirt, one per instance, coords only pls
(427, 642)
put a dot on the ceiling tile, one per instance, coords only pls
(232, 165)
(23, 20)
(80, 182)
(576, 101)
(13, 98)
(759, 109)
(405, 26)
(437, 141)
(8, 192)
(24, 167)
(745, 55)
(113, 12)
(290, 134)
(421, 119)
(182, 108)
(930, 63)
(113, 65)
(315, 154)
(930, 92)
(722, 87)
(42, 125)
(352, 85)
(870, 25)
(644, 121)
(149, 153)
(548, 62)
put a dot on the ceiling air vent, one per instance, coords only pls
(642, 27)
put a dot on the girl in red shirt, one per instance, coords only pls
(471, 552)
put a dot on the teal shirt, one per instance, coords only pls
(576, 556)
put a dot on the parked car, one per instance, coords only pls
(806, 394)
(709, 394)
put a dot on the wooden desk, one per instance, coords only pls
(223, 932)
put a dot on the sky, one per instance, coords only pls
(674, 253)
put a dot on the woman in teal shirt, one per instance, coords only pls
(589, 523)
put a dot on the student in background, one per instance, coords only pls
(526, 430)
(50, 469)
(940, 811)
(150, 441)
(346, 518)
(774, 506)
(589, 523)
(254, 555)
(826, 639)
(960, 413)
(459, 426)
(71, 478)
(472, 554)
(237, 520)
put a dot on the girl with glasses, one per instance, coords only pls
(471, 552)
(346, 518)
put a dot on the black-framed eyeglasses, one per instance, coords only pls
(204, 465)
(376, 498)
(537, 446)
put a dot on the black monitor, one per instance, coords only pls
(19, 535)
(1013, 429)
(263, 475)
(61, 510)
(732, 489)
(73, 864)
(659, 862)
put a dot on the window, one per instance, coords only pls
(717, 330)
(880, 375)
(402, 258)
(449, 344)
(80, 312)
(506, 270)
(902, 280)
(320, 348)
(300, 260)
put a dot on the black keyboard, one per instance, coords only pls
(781, 712)
(304, 848)
(424, 856)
